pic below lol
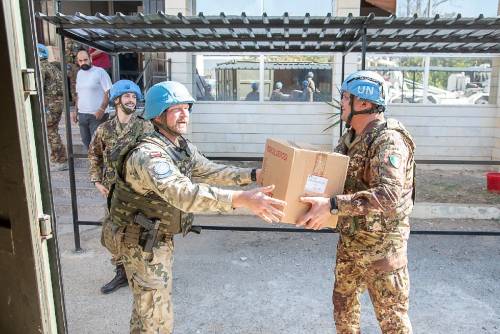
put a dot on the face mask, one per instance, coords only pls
(85, 67)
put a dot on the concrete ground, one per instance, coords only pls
(270, 283)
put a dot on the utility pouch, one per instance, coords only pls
(132, 234)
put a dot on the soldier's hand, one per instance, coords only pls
(102, 189)
(318, 213)
(268, 208)
(258, 174)
(100, 113)
(74, 117)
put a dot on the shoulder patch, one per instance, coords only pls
(155, 154)
(393, 123)
(162, 170)
(395, 160)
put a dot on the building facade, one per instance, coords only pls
(449, 103)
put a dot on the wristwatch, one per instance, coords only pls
(334, 209)
(253, 175)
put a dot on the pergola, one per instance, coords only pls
(271, 34)
(241, 33)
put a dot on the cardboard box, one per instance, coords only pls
(297, 170)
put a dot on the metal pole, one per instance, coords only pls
(169, 66)
(341, 124)
(116, 67)
(413, 92)
(69, 145)
(402, 87)
(262, 84)
(363, 50)
(427, 64)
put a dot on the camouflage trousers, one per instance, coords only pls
(150, 278)
(388, 289)
(108, 238)
(57, 149)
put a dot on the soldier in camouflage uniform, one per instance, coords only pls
(373, 211)
(154, 181)
(53, 100)
(126, 125)
(70, 51)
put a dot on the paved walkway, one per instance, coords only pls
(272, 283)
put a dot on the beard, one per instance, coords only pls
(128, 108)
(169, 129)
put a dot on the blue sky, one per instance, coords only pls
(467, 8)
(271, 7)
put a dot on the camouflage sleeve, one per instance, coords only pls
(386, 177)
(148, 170)
(341, 147)
(147, 126)
(95, 154)
(210, 172)
(46, 78)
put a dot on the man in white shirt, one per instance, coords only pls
(92, 86)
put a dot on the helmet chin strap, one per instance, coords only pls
(353, 112)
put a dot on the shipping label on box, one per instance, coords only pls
(298, 170)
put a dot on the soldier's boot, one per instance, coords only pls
(120, 280)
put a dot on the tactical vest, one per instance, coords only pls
(389, 222)
(125, 203)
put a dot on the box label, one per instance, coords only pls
(316, 184)
(277, 153)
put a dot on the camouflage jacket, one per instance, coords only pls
(71, 48)
(52, 80)
(105, 138)
(163, 174)
(377, 199)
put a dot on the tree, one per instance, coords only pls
(421, 7)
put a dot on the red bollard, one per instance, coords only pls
(493, 182)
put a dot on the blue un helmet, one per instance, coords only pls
(43, 52)
(367, 86)
(121, 87)
(279, 85)
(163, 95)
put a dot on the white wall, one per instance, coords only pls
(236, 129)
(182, 62)
(240, 129)
(441, 132)
(449, 132)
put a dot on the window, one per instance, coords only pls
(289, 78)
(403, 75)
(298, 78)
(451, 79)
(459, 80)
(227, 78)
